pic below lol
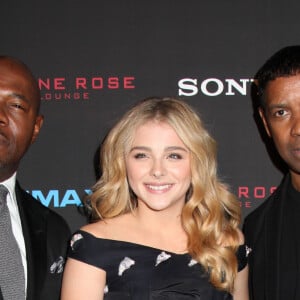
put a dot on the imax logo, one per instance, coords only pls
(56, 198)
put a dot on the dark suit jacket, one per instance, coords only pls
(46, 237)
(262, 230)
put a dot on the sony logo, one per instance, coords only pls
(213, 86)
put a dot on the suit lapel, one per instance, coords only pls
(35, 242)
(273, 234)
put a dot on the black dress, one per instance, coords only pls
(139, 272)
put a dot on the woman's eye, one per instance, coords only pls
(175, 156)
(140, 155)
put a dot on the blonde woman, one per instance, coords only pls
(164, 226)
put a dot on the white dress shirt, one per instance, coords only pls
(10, 184)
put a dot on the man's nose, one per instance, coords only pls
(295, 128)
(3, 115)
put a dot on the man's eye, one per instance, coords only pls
(280, 113)
(18, 106)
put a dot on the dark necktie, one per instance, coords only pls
(12, 281)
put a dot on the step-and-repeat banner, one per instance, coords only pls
(94, 59)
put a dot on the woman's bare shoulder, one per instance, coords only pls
(109, 228)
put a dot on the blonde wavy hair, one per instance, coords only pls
(211, 214)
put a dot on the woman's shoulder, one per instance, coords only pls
(112, 228)
(97, 229)
(242, 249)
(242, 252)
(96, 244)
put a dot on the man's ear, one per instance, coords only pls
(263, 117)
(37, 126)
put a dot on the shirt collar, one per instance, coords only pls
(10, 184)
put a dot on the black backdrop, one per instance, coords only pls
(96, 58)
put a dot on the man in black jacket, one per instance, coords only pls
(41, 235)
(272, 230)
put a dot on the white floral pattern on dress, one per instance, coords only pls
(74, 239)
(192, 262)
(106, 289)
(125, 264)
(248, 250)
(163, 256)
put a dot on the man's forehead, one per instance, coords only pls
(16, 79)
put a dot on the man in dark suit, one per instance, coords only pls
(41, 234)
(272, 231)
